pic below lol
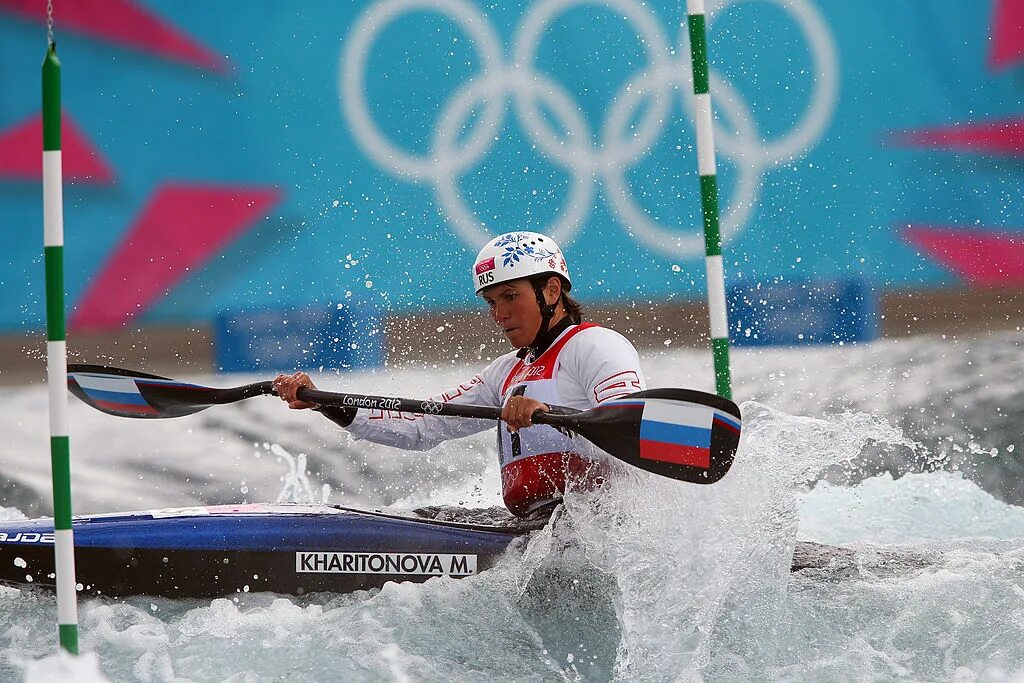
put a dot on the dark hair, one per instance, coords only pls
(572, 307)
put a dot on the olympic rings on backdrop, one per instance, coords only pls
(581, 191)
(357, 51)
(620, 146)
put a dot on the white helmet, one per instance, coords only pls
(517, 255)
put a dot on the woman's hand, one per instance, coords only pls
(287, 387)
(519, 410)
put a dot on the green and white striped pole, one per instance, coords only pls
(56, 354)
(709, 197)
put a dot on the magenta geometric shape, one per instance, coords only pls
(1007, 34)
(22, 157)
(984, 257)
(1003, 137)
(122, 22)
(179, 230)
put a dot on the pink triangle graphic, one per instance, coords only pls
(1007, 34)
(983, 257)
(125, 23)
(22, 157)
(179, 230)
(1005, 137)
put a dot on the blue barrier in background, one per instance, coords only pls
(286, 339)
(802, 312)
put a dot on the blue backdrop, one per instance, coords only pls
(400, 134)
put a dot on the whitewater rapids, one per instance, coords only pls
(909, 444)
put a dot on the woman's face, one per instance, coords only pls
(514, 307)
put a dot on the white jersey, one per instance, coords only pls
(583, 367)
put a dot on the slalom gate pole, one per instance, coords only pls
(56, 350)
(709, 197)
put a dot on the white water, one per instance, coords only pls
(654, 581)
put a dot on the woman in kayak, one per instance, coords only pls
(560, 360)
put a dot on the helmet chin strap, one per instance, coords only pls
(547, 312)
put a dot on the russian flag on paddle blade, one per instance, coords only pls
(676, 433)
(114, 393)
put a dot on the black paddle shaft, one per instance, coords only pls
(614, 428)
(618, 427)
(558, 416)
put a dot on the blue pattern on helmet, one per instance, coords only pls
(517, 245)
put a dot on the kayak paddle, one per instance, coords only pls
(678, 433)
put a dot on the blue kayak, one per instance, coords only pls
(219, 550)
(294, 549)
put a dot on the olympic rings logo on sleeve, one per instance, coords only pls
(619, 145)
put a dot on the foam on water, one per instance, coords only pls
(65, 668)
(652, 580)
(696, 564)
(916, 508)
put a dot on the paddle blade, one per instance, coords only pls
(128, 393)
(677, 433)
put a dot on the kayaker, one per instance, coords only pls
(560, 360)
